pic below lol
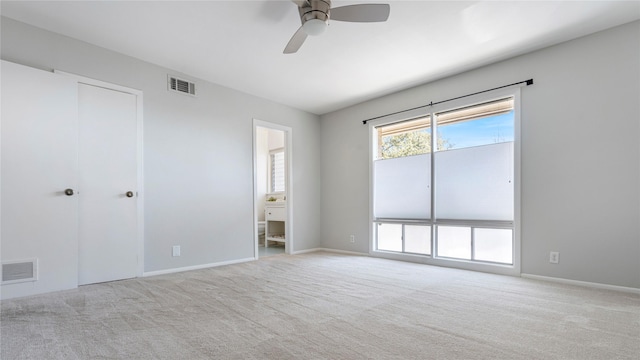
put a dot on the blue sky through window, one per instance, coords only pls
(484, 131)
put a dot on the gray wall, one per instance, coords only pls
(197, 152)
(580, 156)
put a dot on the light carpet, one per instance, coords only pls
(324, 306)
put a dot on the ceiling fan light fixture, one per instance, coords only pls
(314, 27)
(314, 15)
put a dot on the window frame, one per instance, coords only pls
(404, 224)
(433, 259)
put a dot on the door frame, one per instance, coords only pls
(139, 155)
(288, 143)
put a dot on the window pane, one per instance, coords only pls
(401, 188)
(475, 183)
(475, 132)
(417, 239)
(277, 172)
(493, 245)
(390, 237)
(454, 242)
(404, 139)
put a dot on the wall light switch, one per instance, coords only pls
(176, 250)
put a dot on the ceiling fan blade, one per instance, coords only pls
(301, 3)
(361, 13)
(296, 41)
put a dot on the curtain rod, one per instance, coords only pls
(527, 82)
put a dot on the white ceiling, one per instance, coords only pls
(238, 44)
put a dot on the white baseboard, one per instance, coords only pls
(196, 267)
(330, 250)
(582, 283)
(306, 251)
(526, 276)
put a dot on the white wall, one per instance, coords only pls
(276, 139)
(197, 152)
(580, 156)
(262, 169)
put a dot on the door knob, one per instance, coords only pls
(68, 192)
(129, 193)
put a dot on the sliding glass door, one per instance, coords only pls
(444, 184)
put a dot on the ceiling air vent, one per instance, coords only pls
(181, 86)
(19, 271)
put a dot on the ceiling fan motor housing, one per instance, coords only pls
(315, 14)
(315, 17)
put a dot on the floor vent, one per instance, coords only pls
(181, 86)
(19, 271)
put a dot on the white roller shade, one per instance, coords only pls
(402, 187)
(475, 183)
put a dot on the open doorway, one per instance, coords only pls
(272, 189)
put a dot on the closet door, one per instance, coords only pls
(39, 162)
(108, 180)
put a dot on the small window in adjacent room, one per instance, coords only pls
(277, 177)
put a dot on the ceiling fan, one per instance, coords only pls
(315, 14)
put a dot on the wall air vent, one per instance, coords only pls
(181, 86)
(19, 271)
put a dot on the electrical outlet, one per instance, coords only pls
(176, 250)
(352, 239)
(554, 257)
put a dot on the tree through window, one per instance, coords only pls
(406, 139)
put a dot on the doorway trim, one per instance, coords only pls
(288, 139)
(139, 155)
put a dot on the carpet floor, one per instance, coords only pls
(323, 306)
